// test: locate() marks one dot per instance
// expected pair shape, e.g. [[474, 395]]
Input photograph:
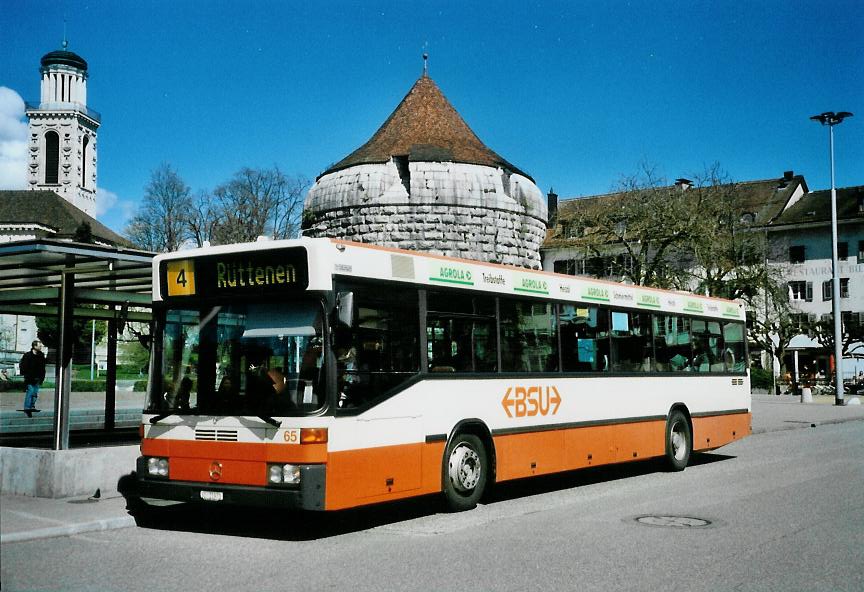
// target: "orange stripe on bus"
[[251, 451], [718, 430], [372, 475], [541, 453]]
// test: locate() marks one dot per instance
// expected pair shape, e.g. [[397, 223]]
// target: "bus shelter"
[[70, 281]]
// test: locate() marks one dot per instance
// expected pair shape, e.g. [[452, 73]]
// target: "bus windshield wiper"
[[267, 419], [162, 416]]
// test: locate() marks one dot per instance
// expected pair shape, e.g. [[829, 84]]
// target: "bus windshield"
[[263, 359]]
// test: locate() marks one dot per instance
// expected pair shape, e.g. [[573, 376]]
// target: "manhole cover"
[[673, 521]]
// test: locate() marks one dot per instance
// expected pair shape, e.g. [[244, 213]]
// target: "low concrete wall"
[[64, 473]]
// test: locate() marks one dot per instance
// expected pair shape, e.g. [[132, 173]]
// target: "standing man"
[[32, 368]]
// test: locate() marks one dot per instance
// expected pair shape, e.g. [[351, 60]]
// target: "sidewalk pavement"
[[27, 518]]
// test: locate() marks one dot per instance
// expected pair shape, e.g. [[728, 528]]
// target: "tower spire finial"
[[425, 64], [65, 42]]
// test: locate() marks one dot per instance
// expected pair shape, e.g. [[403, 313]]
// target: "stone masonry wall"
[[480, 234], [453, 209]]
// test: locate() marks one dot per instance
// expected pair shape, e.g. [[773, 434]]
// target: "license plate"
[[211, 496]]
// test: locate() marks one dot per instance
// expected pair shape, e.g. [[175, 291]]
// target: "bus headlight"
[[157, 467], [284, 474]]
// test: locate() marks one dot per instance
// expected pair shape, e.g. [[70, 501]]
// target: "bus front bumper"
[[309, 495]]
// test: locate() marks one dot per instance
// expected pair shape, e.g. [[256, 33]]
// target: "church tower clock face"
[[63, 132]]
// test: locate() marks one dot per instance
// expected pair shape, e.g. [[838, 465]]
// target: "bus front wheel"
[[465, 469], [679, 441]]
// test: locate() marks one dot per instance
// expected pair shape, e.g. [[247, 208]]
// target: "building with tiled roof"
[[797, 223], [425, 181], [27, 215]]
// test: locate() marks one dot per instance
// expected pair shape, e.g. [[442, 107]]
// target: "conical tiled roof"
[[425, 127]]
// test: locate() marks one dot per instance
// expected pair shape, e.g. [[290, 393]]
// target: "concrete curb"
[[802, 425], [69, 529]]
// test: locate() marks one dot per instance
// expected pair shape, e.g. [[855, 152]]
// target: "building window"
[[842, 250], [566, 266], [852, 321], [828, 291], [861, 204], [799, 321], [52, 158], [796, 254], [85, 143], [801, 291], [860, 251]]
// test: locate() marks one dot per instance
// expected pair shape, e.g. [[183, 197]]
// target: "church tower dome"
[[425, 181], [62, 132]]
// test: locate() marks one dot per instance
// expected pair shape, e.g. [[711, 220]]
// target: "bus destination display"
[[250, 273]]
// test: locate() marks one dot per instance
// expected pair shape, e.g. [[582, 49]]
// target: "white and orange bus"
[[321, 374]]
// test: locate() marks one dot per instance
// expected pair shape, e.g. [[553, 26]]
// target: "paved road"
[[786, 511]]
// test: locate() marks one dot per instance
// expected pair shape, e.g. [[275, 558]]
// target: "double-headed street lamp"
[[831, 119]]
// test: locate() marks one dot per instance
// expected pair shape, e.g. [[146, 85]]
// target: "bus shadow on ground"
[[277, 524], [589, 476]]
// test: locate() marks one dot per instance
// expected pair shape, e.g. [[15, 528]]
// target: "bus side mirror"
[[345, 308]]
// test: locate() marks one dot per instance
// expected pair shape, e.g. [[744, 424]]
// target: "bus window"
[[707, 346], [179, 357], [529, 336], [733, 344], [380, 350], [584, 338], [460, 333], [631, 342], [672, 348]]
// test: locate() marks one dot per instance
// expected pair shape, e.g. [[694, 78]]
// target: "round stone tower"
[[426, 182]]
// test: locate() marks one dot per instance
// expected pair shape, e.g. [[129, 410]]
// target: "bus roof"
[[331, 257]]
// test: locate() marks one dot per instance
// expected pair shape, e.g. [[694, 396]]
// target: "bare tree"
[[644, 226], [161, 224], [202, 218], [772, 321], [728, 253], [258, 202], [851, 334]]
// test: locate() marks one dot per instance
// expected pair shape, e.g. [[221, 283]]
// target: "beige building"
[[797, 224]]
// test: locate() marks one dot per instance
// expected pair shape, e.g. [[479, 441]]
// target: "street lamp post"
[[831, 119]]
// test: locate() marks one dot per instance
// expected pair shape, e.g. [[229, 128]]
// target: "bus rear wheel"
[[679, 441], [465, 469]]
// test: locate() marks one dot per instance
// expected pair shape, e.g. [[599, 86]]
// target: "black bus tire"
[[679, 441], [465, 472]]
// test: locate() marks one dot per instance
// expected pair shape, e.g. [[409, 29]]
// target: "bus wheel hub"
[[464, 468]]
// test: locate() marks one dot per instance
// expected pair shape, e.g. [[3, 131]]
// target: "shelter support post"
[[111, 376], [63, 373]]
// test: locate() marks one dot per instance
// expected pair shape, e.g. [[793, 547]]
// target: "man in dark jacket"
[[32, 368]]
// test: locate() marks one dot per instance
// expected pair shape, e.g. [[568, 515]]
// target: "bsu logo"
[[529, 401]]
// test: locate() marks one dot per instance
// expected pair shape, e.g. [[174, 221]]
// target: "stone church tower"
[[426, 182], [62, 145]]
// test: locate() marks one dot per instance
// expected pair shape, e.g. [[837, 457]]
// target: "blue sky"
[[575, 93]]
